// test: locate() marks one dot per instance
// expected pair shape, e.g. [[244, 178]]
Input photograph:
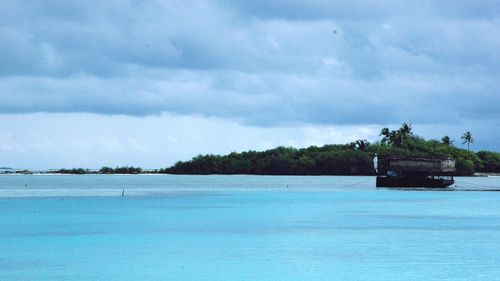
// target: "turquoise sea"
[[66, 227]]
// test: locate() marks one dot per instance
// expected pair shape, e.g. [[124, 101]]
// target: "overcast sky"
[[147, 83]]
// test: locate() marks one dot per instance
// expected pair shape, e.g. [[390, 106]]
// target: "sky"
[[148, 83]]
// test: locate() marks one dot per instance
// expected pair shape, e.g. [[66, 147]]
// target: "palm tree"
[[386, 133], [467, 138], [397, 138], [403, 134], [447, 141], [361, 144], [406, 130]]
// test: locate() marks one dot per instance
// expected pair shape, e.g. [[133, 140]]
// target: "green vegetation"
[[354, 158], [120, 170], [76, 171], [326, 160], [447, 141], [490, 161], [103, 170], [24, 172]]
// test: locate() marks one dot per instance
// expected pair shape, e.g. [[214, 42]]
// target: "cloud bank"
[[56, 140], [258, 63]]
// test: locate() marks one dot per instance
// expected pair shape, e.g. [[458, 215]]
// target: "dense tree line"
[[326, 160], [120, 170], [355, 158], [103, 170], [76, 171], [349, 159], [490, 161]]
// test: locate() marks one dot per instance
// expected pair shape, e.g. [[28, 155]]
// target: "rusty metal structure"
[[397, 171]]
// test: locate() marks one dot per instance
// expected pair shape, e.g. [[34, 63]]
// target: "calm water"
[[245, 228]]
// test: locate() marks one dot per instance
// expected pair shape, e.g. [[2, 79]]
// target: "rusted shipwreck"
[[397, 171]]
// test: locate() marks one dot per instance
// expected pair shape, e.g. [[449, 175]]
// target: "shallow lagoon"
[[244, 228]]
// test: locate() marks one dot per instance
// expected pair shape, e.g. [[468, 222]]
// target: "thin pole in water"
[[123, 192]]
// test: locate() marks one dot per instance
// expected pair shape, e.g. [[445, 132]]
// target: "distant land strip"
[[354, 158]]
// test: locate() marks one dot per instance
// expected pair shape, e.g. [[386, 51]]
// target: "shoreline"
[[481, 174], [477, 174]]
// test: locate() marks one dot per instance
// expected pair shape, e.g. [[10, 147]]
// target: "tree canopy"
[[354, 158]]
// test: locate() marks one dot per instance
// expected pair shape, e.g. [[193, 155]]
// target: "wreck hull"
[[385, 181]]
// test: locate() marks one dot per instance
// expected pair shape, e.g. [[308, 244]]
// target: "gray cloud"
[[265, 63]]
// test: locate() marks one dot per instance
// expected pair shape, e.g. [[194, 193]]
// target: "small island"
[[354, 158]]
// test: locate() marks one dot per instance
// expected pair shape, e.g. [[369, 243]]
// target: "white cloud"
[[277, 65], [50, 140]]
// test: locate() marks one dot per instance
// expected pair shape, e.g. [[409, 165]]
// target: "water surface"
[[244, 228]]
